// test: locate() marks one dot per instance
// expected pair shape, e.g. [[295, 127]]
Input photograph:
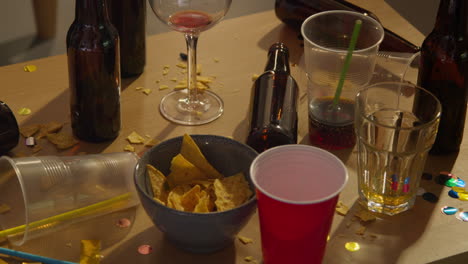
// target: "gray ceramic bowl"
[[197, 232]]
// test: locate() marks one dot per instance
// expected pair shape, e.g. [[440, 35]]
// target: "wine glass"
[[191, 106]]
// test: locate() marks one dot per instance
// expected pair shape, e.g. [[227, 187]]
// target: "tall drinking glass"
[[191, 106]]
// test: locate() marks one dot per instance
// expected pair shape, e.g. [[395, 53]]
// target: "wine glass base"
[[175, 107]]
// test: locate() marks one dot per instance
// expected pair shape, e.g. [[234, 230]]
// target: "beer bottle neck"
[[452, 16], [91, 11], [278, 58]]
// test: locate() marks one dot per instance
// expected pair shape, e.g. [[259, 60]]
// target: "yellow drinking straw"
[[68, 215], [344, 70]]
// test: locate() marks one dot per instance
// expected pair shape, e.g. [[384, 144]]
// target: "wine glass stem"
[[192, 39]]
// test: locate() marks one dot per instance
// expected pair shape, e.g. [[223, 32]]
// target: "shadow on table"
[[164, 252], [24, 48]]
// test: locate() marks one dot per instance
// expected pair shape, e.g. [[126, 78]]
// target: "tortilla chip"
[[135, 138], [174, 199], [183, 172], [62, 140], [205, 203], [158, 181], [190, 199], [29, 131], [231, 192], [90, 252], [193, 154], [49, 128]]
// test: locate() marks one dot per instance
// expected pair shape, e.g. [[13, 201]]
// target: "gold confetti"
[[147, 91], [30, 68], [165, 67], [352, 246], [244, 240], [129, 148], [4, 208], [24, 111]]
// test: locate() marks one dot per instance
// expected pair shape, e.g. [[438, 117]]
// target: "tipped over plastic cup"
[[39, 195]]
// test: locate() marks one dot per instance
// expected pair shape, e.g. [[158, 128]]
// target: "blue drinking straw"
[[344, 70], [24, 255]]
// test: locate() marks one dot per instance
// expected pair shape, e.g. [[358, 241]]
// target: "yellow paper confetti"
[[24, 111], [30, 68], [352, 246]]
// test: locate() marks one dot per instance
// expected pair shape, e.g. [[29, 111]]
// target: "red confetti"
[[145, 249], [124, 222]]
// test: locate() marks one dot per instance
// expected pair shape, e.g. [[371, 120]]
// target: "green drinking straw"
[[69, 215], [344, 70]]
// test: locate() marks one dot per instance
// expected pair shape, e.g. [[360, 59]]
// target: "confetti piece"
[[430, 197], [460, 183], [244, 240], [341, 208], [352, 246], [147, 91], [4, 208], [453, 194], [90, 252], [129, 148], [135, 138], [123, 223], [451, 182], [30, 142], [458, 189], [448, 210], [183, 56], [463, 196], [145, 249], [24, 111], [463, 216], [30, 68], [328, 238], [165, 67]]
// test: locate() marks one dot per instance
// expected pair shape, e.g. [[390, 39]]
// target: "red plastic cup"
[[297, 190]]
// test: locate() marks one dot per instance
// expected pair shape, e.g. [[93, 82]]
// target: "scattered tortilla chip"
[[193, 154], [62, 140], [244, 240], [4, 208], [250, 259], [24, 111], [182, 65], [139, 88], [231, 192], [174, 199], [205, 203], [29, 131], [158, 180], [49, 128], [183, 172], [365, 215], [361, 231], [135, 138], [341, 208], [147, 91], [129, 148], [90, 252], [190, 199], [30, 68], [163, 87], [216, 59]]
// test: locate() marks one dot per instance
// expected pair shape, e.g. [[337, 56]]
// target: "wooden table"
[[421, 235]]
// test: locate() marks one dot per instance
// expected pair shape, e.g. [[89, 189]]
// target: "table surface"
[[420, 235]]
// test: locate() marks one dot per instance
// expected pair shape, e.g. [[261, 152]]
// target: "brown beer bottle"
[[273, 119], [129, 17], [9, 131], [94, 73], [294, 12], [444, 72]]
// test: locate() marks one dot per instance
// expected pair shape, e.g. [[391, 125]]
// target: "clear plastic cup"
[[45, 194]]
